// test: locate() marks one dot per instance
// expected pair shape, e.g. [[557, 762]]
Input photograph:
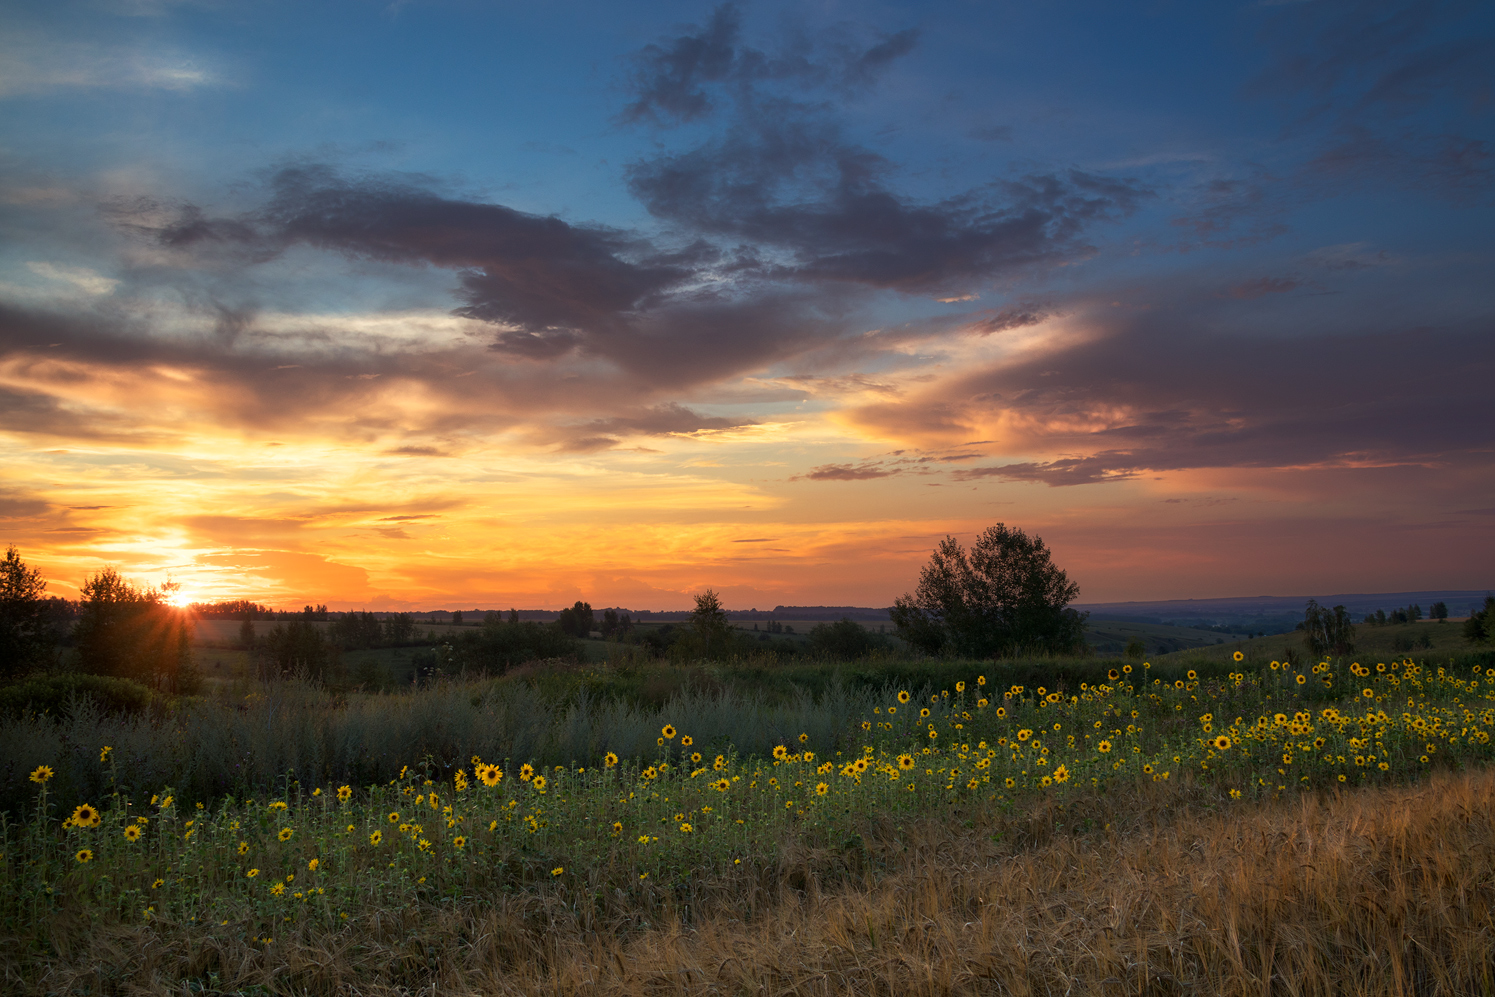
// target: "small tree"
[[1135, 649], [1438, 611], [1327, 631], [1005, 597], [845, 639], [1479, 628], [578, 621]]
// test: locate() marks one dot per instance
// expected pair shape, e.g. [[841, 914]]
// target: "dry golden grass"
[[1377, 891]]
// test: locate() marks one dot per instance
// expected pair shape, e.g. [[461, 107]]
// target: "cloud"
[[1190, 383], [33, 63], [848, 472], [781, 173], [672, 80], [1263, 285]]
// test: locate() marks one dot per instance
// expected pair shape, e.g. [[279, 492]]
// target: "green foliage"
[[297, 647], [59, 693], [499, 645], [577, 621], [1004, 598], [1479, 628], [27, 630], [1327, 632], [844, 640], [132, 633]]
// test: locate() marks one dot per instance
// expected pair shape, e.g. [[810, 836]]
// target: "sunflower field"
[[326, 855]]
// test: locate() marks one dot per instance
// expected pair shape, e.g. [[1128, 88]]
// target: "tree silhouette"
[[1005, 597]]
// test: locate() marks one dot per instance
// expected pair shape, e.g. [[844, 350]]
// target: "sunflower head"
[[86, 815], [41, 773], [132, 833]]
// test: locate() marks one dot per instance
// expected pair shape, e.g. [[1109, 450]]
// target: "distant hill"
[[1272, 613]]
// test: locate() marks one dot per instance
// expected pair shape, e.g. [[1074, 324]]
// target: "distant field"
[[1378, 643]]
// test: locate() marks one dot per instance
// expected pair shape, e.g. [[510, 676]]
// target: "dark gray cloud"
[[674, 81], [1190, 383], [780, 172]]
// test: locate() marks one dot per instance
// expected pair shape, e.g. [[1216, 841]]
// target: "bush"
[[55, 695]]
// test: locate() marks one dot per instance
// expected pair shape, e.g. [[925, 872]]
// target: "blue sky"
[[1204, 287]]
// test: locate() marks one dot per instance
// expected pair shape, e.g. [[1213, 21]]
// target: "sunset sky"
[[481, 303]]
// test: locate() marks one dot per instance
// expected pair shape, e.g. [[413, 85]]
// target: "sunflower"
[[1104, 747], [1193, 675], [285, 834], [41, 773], [243, 848], [491, 775], [1239, 656], [459, 841], [609, 759], [86, 816], [251, 873], [721, 785], [539, 783], [1221, 743], [344, 794], [903, 696], [924, 712], [906, 762], [558, 870], [821, 789], [685, 741], [1011, 782], [526, 771], [780, 752], [617, 828], [1113, 675], [695, 757], [158, 884], [434, 800], [132, 833], [686, 828], [960, 687], [1024, 734], [668, 730]]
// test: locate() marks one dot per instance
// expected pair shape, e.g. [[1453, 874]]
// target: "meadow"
[[945, 827]]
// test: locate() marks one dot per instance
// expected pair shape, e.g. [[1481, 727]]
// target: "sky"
[[454, 303]]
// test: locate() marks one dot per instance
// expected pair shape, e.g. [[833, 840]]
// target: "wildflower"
[[314, 864], [821, 789], [285, 834], [86, 816], [610, 759], [376, 837], [686, 828], [459, 841], [1061, 774], [1024, 734], [526, 771], [558, 870], [685, 741], [41, 774], [158, 884], [243, 848], [539, 783], [251, 873], [668, 730], [1104, 747], [434, 801], [1221, 743], [617, 827], [721, 785], [960, 687], [803, 738], [132, 833], [1239, 656], [344, 794], [1011, 782], [720, 763], [84, 856], [314, 792], [695, 757], [278, 889], [1235, 794], [780, 752], [903, 696], [906, 761], [924, 712], [104, 754]]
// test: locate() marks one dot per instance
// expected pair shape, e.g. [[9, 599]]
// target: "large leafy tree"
[[1004, 597], [27, 632], [133, 633]]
